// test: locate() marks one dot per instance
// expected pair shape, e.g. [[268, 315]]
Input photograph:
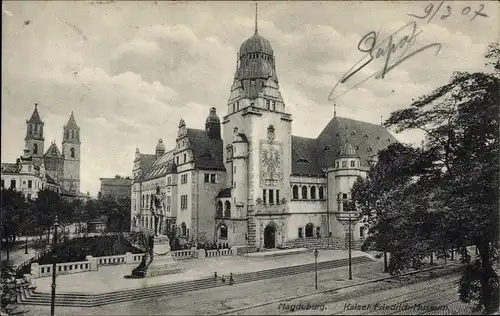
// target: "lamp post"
[[350, 257], [316, 268], [54, 257]]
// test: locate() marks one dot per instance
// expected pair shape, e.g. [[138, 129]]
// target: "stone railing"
[[182, 254], [218, 253]]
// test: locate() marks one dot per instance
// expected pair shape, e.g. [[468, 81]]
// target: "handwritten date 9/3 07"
[[430, 11]]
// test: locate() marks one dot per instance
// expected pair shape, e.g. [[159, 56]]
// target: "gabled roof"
[[71, 122], [53, 151], [35, 117], [146, 162], [161, 166], [10, 168], [207, 152], [305, 157], [368, 139]]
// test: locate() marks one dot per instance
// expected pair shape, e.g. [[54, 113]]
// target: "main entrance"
[[270, 237]]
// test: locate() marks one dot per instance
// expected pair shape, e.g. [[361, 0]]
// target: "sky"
[[131, 70]]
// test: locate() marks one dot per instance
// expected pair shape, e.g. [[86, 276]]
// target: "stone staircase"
[[323, 243], [93, 300]]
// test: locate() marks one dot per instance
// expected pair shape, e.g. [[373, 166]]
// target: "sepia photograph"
[[250, 158]]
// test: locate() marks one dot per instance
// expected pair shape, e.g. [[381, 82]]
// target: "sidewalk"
[[111, 278]]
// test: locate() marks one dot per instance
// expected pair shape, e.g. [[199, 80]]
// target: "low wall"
[[93, 263], [336, 243]]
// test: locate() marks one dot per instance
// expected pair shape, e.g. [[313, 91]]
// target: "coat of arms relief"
[[271, 160]]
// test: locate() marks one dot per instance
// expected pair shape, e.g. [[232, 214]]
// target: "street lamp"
[[316, 268], [54, 257], [350, 257]]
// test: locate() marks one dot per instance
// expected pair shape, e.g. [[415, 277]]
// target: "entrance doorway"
[[270, 237]]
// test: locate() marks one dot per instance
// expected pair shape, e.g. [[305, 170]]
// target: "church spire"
[[256, 25]]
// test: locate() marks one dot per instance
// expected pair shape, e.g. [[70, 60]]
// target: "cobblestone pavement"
[[232, 299]]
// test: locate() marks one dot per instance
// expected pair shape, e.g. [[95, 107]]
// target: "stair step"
[[91, 300]]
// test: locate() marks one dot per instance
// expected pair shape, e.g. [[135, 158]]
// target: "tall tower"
[[71, 154], [257, 118], [34, 139]]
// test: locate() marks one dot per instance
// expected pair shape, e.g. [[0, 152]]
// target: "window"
[[13, 184], [184, 179], [177, 160], [72, 150], [344, 196], [212, 178], [309, 230], [218, 212], [304, 192], [234, 107], [184, 158], [169, 180], [295, 192], [301, 232], [207, 178], [183, 230], [337, 164], [169, 203], [29, 196], [321, 193], [234, 169], [271, 197], [30, 184], [237, 105], [234, 184], [268, 104], [184, 202], [264, 196], [313, 193], [3, 183], [227, 211], [223, 232], [274, 106], [353, 163], [35, 149], [318, 231], [277, 196], [344, 164], [362, 232]]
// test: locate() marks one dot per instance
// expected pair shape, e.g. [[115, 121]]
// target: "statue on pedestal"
[[158, 211]]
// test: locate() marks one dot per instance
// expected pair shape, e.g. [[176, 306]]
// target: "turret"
[[212, 125], [160, 149]]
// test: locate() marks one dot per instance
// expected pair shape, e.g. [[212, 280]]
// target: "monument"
[[158, 260]]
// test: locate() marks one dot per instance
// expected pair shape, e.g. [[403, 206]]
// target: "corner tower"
[[71, 153], [34, 140], [257, 138]]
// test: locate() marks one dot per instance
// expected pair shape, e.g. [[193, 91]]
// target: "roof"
[[207, 152], [161, 166], [146, 162], [366, 138], [53, 151], [224, 193], [51, 180], [115, 181], [305, 156], [35, 117], [10, 168], [256, 44], [71, 122]]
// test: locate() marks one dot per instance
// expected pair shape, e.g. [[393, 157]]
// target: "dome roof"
[[256, 44], [347, 150], [212, 117], [160, 146]]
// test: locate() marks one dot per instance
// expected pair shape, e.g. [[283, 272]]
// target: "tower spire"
[[256, 25]]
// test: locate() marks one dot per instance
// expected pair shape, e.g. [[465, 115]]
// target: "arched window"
[[309, 230], [313, 193], [295, 192], [72, 152], [223, 232], [227, 211], [218, 212], [304, 192], [321, 193], [183, 229], [35, 149]]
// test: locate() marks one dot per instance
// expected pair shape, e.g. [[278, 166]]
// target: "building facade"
[[117, 187], [36, 170], [246, 180]]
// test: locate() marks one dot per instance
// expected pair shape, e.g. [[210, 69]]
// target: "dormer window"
[[369, 149], [365, 136], [302, 160], [377, 138], [352, 133]]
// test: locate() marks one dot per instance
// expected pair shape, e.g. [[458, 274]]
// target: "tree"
[[448, 193], [11, 286], [14, 209]]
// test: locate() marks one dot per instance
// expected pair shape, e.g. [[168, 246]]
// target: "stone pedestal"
[[161, 262]]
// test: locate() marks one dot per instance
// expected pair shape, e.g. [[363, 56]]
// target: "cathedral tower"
[[71, 153], [34, 139]]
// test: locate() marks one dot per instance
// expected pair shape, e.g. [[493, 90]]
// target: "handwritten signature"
[[387, 49]]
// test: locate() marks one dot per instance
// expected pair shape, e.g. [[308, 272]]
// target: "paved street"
[[233, 298]]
